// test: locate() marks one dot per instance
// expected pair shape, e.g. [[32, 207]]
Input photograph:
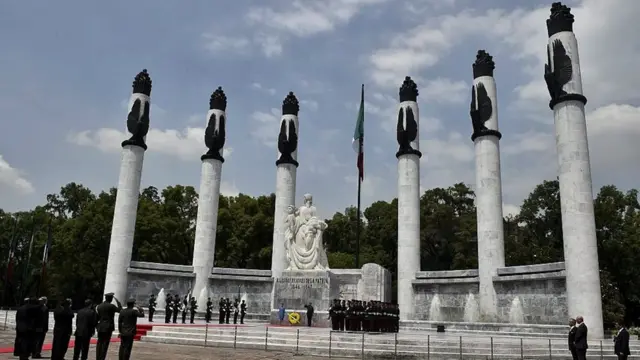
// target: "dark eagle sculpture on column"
[[288, 136], [480, 113], [407, 125], [137, 121], [562, 70], [215, 136]]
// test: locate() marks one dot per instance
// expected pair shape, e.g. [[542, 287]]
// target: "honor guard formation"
[[225, 308], [357, 315], [175, 306]]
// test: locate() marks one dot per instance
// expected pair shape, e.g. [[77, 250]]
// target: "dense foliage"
[[165, 228]]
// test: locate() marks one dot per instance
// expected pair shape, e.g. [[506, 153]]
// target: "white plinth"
[[285, 197], [124, 221], [489, 219], [204, 247], [408, 231]]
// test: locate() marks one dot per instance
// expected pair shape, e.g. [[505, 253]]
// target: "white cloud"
[[260, 87], [443, 90], [186, 144], [510, 210], [221, 45], [311, 105], [14, 179], [265, 127], [229, 189]]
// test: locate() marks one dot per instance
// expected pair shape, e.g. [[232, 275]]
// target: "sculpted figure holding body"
[[303, 238]]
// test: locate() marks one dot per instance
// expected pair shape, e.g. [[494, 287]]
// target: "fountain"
[[516, 313], [434, 310], [243, 297], [161, 300], [471, 312], [203, 298]]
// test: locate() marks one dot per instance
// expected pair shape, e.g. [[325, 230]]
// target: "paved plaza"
[[151, 351]]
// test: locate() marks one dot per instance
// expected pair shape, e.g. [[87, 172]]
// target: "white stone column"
[[486, 140], [286, 170], [126, 206], [408, 196], [204, 246], [574, 172]]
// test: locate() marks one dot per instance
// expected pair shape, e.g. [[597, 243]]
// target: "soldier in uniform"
[[177, 307], [106, 313], [185, 308], [341, 315], [333, 316], [62, 329], [192, 308], [152, 307], [221, 311], [127, 323], [26, 317], [348, 316], [86, 322], [359, 309], [368, 315], [236, 310], [243, 311], [167, 309], [396, 312], [227, 310], [207, 316]]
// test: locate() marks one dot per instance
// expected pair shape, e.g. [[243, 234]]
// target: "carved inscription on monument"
[[303, 283]]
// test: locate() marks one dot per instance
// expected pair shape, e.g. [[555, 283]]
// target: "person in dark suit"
[[227, 310], [42, 327], [220, 311], [572, 338], [127, 323], [310, 310], [62, 328], [27, 317], [167, 309], [621, 343], [106, 314], [24, 325], [581, 338], [176, 308], [86, 323]]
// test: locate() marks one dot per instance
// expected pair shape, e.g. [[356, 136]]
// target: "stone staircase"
[[406, 344]]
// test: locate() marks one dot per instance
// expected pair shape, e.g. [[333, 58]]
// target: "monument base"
[[297, 288]]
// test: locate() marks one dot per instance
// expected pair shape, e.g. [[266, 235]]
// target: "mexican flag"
[[358, 137]]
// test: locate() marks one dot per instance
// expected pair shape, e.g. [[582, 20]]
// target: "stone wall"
[[252, 285], [452, 289], [540, 289], [146, 278]]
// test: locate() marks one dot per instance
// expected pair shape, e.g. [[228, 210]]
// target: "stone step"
[[351, 350]]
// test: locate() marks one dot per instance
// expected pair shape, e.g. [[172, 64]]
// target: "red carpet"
[[47, 347]]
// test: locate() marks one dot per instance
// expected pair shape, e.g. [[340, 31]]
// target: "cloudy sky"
[[67, 66]]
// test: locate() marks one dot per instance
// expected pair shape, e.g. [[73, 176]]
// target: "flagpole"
[[9, 264], [360, 143], [28, 263], [358, 224]]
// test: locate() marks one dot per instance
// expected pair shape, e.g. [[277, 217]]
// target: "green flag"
[[358, 137]]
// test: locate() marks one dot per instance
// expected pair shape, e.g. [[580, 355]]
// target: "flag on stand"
[[358, 137], [12, 251]]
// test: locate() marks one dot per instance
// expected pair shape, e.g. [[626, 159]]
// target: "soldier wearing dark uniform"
[[185, 307], [127, 323], [243, 311], [106, 313], [62, 329], [333, 316], [396, 313], [176, 308], [348, 316], [368, 316], [152, 307], [341, 315], [167, 309], [221, 311], [26, 317], [236, 310], [359, 315], [207, 316], [227, 310], [192, 308], [86, 322]]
